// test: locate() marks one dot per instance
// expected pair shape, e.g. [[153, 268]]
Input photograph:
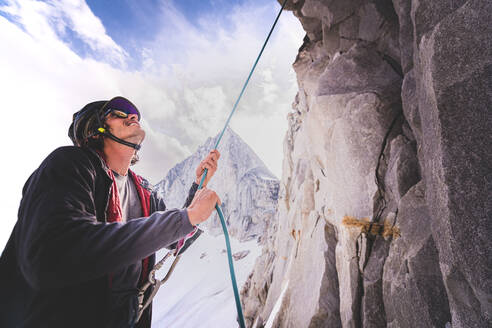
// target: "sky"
[[182, 63]]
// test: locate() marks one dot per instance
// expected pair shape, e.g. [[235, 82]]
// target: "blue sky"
[[133, 24], [182, 63]]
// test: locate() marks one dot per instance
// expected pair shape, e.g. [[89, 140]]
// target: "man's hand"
[[209, 163], [202, 205]]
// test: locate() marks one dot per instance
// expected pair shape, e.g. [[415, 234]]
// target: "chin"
[[136, 137], [140, 136]]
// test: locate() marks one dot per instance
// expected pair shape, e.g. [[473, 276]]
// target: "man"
[[88, 227]]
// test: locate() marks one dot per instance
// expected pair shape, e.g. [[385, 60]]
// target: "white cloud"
[[217, 54], [185, 89], [83, 22], [46, 20]]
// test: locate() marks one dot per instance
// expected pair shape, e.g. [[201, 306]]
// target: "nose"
[[133, 117]]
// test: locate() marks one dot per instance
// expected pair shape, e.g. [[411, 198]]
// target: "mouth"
[[133, 123]]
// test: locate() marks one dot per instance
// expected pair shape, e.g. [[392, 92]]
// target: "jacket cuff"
[[186, 226]]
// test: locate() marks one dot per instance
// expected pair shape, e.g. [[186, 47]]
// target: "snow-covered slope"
[[199, 292]]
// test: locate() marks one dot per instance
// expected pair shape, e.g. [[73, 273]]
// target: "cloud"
[[50, 20], [208, 61], [186, 86]]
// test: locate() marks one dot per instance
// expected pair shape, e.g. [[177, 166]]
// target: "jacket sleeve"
[[191, 194], [59, 241], [157, 202]]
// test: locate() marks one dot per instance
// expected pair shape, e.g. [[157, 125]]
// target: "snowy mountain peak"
[[247, 188], [237, 150]]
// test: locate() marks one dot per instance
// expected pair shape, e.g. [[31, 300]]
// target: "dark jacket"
[[54, 270]]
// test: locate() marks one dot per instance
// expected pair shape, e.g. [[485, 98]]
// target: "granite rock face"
[[391, 126], [247, 189]]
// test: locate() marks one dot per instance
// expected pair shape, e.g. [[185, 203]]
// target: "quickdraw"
[[154, 283]]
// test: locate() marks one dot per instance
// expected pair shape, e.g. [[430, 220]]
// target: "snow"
[[276, 307], [199, 292], [247, 189]]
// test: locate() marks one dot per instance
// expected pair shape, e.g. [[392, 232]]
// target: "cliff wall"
[[384, 211]]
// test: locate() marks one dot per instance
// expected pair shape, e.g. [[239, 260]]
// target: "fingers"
[[207, 194], [210, 165], [214, 197], [202, 205], [214, 155], [211, 196], [210, 162]]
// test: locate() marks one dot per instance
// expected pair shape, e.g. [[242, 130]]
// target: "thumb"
[[217, 199]]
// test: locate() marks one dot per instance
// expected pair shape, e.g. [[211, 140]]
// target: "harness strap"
[[155, 284]]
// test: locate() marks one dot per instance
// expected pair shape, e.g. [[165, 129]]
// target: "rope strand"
[[217, 207]]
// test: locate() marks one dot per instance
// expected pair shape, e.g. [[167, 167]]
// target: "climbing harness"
[[157, 283]]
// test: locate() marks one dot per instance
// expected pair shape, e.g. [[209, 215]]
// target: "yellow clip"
[[102, 130]]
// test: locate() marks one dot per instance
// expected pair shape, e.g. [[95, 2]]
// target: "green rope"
[[217, 207]]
